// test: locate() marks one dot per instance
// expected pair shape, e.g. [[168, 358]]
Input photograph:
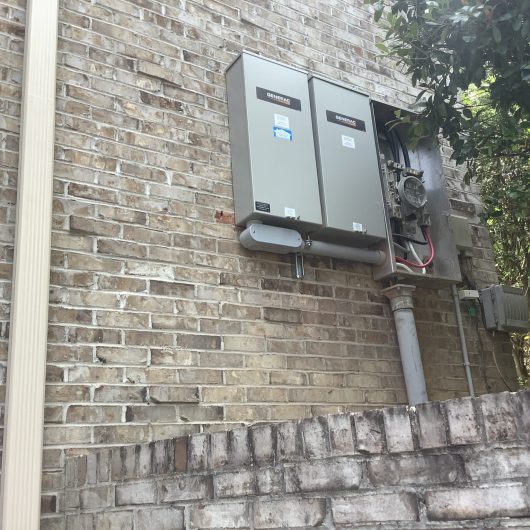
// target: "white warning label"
[[281, 121], [348, 141]]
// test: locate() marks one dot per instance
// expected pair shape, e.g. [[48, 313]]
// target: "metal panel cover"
[[273, 156], [348, 164]]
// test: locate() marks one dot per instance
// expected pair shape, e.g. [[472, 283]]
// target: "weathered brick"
[[172, 394], [421, 469], [463, 425], [114, 520], [290, 513], [288, 442], [53, 523], [315, 437], [136, 493], [323, 476], [524, 419], [198, 452], [235, 484], [239, 447], [171, 518], [181, 454], [397, 430], [500, 416], [431, 425], [369, 431], [498, 464], [80, 522], [262, 443], [233, 515], [376, 508], [218, 449], [269, 481], [163, 455], [340, 434], [186, 488], [477, 503]]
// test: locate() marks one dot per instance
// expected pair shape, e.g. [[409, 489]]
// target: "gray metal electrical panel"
[[271, 140], [504, 308], [348, 166]]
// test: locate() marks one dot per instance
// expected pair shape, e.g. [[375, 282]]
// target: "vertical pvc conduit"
[[462, 337], [400, 297]]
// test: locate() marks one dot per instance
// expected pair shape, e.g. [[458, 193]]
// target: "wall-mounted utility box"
[[461, 228], [271, 141], [348, 166], [445, 269], [504, 308]]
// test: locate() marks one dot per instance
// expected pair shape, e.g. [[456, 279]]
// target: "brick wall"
[[12, 31], [160, 323], [463, 462]]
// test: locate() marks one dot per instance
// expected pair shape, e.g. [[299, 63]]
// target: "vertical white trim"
[[26, 370]]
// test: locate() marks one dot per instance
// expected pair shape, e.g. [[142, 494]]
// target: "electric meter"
[[412, 191]]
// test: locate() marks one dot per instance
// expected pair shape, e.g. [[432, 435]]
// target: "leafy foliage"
[[471, 60], [447, 46]]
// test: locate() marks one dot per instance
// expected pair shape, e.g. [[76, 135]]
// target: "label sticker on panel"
[[283, 133], [348, 141], [357, 227], [290, 212], [278, 99], [347, 121], [281, 121], [262, 206]]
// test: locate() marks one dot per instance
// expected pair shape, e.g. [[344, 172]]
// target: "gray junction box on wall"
[[348, 165], [271, 140]]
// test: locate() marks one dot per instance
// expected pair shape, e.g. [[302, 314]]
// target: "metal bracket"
[[297, 265]]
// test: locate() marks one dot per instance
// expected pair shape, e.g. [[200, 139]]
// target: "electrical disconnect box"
[[271, 139], [348, 170], [504, 308]]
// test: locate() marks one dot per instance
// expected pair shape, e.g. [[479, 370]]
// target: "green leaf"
[[497, 37], [517, 23]]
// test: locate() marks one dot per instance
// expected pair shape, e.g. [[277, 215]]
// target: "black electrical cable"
[[411, 239], [404, 150], [390, 140], [404, 249], [394, 136]]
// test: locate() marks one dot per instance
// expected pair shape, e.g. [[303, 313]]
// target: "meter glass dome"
[[412, 191]]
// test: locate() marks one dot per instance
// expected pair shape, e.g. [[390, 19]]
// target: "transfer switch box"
[[348, 165], [271, 141]]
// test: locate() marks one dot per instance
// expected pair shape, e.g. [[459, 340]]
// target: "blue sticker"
[[283, 133]]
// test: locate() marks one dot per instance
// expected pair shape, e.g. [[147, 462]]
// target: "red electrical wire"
[[427, 234]]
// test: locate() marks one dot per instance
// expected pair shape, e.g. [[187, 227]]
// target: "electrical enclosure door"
[[271, 140], [348, 166]]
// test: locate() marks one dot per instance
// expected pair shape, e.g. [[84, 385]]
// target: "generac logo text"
[[280, 99], [346, 120]]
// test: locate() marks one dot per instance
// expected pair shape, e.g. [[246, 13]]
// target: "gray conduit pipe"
[[266, 238], [400, 297], [462, 338], [331, 250]]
